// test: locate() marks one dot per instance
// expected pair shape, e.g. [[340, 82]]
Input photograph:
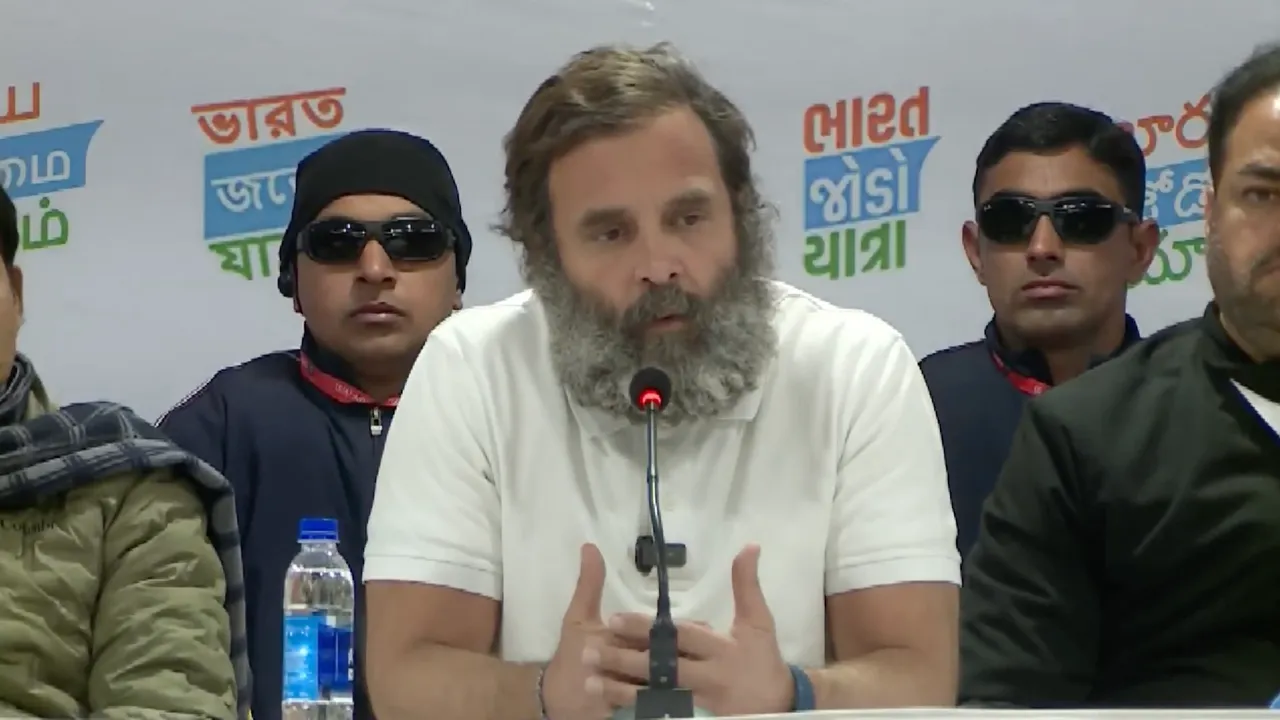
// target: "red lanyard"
[[338, 390], [1023, 384]]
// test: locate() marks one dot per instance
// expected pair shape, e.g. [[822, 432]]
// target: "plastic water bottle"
[[319, 608]]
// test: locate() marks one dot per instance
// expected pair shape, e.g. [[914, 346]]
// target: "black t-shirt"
[[1130, 552]]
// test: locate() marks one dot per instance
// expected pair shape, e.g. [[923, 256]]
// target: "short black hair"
[[1257, 75], [1056, 126], [8, 229]]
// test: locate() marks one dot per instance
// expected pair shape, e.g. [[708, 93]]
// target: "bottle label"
[[301, 658], [336, 668], [318, 658]]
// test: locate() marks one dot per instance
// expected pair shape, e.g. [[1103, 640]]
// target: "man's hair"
[[8, 229], [1051, 127], [1257, 75], [610, 90]]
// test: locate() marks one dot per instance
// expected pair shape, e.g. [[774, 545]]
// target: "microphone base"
[[659, 704]]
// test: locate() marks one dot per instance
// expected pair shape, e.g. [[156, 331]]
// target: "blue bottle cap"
[[318, 530]]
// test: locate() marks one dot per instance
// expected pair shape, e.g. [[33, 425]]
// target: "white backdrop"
[[134, 294]]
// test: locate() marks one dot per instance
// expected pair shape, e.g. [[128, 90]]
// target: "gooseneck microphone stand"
[[663, 698]]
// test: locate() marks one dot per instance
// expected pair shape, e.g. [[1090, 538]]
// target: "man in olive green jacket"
[[121, 589]]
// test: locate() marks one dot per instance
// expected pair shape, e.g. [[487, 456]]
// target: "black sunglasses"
[[335, 241], [1082, 219]]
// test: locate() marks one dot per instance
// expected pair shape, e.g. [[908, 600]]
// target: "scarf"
[[53, 453]]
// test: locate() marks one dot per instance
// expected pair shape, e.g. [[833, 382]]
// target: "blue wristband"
[[802, 692]]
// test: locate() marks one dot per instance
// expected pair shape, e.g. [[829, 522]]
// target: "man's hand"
[[739, 674], [572, 689]]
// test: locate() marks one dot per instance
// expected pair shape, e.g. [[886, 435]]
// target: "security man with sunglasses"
[[1130, 551], [1057, 241], [374, 258]]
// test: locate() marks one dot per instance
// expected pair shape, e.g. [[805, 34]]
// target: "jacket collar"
[[326, 360], [332, 377], [1031, 363], [1221, 353]]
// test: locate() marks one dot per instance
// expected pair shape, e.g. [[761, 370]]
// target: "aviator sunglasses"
[[1081, 219], [341, 240]]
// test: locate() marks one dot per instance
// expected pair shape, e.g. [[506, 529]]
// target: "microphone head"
[[650, 387]]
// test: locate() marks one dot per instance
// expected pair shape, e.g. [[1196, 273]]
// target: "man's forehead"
[[371, 207], [1066, 172], [1253, 145], [691, 195]]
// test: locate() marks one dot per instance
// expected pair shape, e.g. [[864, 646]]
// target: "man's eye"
[[610, 235]]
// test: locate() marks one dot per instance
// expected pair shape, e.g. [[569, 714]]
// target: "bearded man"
[[802, 465]]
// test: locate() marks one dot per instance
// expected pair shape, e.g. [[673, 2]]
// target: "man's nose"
[[374, 264], [659, 258], [1044, 246]]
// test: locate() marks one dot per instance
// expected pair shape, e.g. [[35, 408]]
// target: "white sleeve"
[[892, 520], [436, 515]]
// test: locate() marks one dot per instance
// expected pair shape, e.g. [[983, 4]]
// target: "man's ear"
[[457, 300], [1144, 240], [15, 286], [970, 241]]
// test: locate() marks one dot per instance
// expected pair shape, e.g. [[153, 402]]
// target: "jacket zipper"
[[375, 422]]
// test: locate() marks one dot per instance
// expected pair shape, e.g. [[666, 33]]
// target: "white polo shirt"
[[1268, 410], [492, 479]]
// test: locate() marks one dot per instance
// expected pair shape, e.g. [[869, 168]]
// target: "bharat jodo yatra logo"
[[1175, 194], [249, 180], [863, 160], [39, 164]]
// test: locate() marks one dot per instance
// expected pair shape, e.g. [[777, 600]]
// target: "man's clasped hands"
[[600, 662]]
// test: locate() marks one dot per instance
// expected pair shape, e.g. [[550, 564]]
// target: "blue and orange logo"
[[1176, 189], [38, 164], [248, 190], [862, 170]]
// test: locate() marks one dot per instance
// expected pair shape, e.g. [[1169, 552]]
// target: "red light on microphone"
[[650, 399], [650, 389]]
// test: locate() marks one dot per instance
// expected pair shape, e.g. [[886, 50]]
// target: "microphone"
[[650, 392]]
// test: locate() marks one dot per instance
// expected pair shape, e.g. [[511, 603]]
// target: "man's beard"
[[718, 356], [1253, 312]]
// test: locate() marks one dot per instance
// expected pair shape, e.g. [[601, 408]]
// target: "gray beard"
[[716, 359]]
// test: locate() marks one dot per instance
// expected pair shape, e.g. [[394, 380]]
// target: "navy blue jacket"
[[290, 452], [978, 410]]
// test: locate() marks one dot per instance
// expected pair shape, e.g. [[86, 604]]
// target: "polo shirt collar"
[[1221, 353], [1031, 363], [598, 423]]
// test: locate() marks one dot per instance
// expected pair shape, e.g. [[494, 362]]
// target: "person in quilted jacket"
[[120, 580]]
